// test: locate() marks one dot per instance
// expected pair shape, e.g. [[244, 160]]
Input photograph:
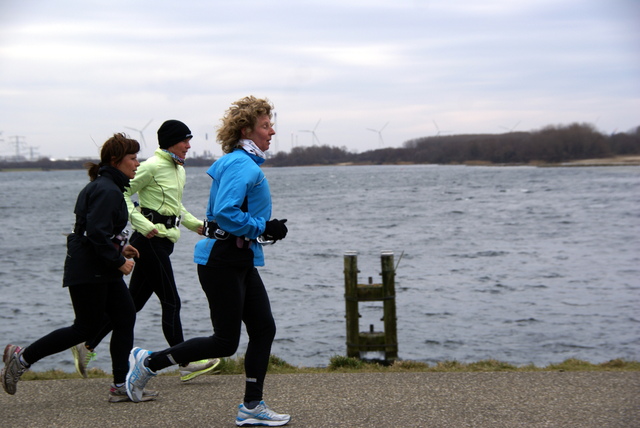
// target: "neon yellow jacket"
[[159, 183]]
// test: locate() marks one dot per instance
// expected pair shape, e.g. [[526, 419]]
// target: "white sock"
[[23, 362]]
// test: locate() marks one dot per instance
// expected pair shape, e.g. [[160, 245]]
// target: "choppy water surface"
[[524, 265]]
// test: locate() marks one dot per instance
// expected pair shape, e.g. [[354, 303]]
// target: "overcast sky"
[[74, 72]]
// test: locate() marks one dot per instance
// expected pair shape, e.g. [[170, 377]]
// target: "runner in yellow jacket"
[[160, 189], [156, 217]]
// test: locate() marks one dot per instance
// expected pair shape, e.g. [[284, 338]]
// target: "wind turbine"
[[141, 131], [314, 138], [438, 129], [512, 128], [379, 132]]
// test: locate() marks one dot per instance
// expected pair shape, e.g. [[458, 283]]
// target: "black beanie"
[[172, 132]]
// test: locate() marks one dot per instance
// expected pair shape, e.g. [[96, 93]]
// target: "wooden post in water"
[[370, 341], [389, 305], [351, 302]]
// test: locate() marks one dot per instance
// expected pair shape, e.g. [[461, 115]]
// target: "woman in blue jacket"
[[238, 213], [97, 258]]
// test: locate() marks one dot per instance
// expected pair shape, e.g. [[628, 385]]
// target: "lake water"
[[520, 264]]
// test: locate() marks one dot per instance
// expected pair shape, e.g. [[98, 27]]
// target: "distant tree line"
[[48, 164], [552, 144]]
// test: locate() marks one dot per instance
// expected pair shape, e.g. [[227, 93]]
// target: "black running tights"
[[153, 274], [235, 295], [92, 303]]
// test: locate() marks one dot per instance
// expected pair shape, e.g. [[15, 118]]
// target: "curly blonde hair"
[[242, 114]]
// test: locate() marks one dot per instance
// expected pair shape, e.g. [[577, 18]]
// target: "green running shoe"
[[81, 358], [197, 368]]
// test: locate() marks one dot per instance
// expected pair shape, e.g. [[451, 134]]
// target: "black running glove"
[[275, 229]]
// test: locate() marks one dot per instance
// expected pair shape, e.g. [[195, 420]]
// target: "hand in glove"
[[275, 230]]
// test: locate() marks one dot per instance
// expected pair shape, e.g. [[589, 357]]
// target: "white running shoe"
[[13, 368], [261, 415], [197, 368], [138, 374], [118, 394]]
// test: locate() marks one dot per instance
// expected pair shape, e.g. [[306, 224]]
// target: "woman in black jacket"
[[97, 258]]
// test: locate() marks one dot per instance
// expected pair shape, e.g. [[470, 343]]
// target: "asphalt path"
[[496, 399]]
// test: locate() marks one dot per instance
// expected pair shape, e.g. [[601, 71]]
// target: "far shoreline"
[[631, 160]]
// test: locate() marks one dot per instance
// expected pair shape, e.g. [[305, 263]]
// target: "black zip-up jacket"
[[101, 214]]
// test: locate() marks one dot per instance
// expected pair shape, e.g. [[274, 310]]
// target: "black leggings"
[[153, 274], [235, 295], [92, 303]]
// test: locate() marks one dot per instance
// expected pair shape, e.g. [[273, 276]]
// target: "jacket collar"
[[115, 175], [163, 154], [257, 159]]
